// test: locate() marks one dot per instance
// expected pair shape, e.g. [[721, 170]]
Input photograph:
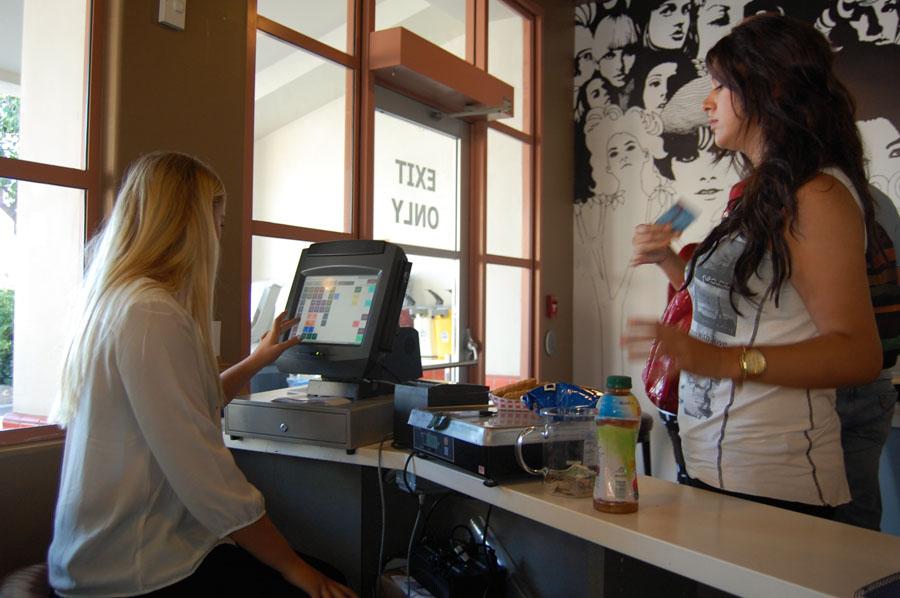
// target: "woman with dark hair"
[[781, 309]]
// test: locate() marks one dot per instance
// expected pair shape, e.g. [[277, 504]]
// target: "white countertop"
[[738, 546]]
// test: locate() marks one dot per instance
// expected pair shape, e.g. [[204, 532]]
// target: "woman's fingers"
[[651, 243], [281, 322], [294, 340], [638, 337]]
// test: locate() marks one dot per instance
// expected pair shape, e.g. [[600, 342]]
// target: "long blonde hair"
[[161, 235]]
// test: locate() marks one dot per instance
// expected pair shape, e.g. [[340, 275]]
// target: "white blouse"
[[755, 438], [148, 487]]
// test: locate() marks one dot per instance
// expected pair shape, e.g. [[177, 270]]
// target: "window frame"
[[359, 161], [87, 179], [530, 137]]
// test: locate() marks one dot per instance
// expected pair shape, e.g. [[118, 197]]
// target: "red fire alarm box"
[[552, 306]]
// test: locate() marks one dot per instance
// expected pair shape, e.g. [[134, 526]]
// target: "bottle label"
[[623, 406], [617, 477]]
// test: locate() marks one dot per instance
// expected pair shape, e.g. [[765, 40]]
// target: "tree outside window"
[[9, 148], [9, 145]]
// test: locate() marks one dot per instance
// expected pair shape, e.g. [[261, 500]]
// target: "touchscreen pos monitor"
[[348, 296]]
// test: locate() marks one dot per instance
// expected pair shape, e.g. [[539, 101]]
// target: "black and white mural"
[[642, 141]]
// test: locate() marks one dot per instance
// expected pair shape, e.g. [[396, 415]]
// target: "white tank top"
[[758, 439]]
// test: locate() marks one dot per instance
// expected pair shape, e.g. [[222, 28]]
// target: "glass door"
[[420, 182]]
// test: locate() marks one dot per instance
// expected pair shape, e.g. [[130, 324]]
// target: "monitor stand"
[[361, 389]]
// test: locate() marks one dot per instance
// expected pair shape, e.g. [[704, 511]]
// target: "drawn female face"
[[615, 65], [668, 25], [715, 18], [596, 94], [887, 18], [585, 62], [656, 87], [876, 23], [700, 181], [623, 152], [882, 146], [585, 66], [614, 58]]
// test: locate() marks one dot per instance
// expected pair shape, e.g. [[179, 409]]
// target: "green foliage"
[[9, 148], [7, 306], [9, 126]]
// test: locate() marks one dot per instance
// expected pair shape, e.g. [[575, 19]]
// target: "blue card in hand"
[[679, 216]]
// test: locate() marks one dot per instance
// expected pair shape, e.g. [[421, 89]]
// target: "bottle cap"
[[618, 382]]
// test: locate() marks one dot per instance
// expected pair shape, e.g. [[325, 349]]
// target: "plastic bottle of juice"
[[618, 421]]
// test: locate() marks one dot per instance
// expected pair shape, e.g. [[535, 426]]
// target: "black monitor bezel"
[[342, 361]]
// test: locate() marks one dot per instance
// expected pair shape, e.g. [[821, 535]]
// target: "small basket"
[[504, 404]]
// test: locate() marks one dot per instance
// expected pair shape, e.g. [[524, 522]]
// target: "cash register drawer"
[[284, 423], [337, 423]]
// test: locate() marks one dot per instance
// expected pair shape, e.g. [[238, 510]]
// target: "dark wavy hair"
[[780, 71]]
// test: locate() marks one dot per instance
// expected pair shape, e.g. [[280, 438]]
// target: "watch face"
[[755, 362]]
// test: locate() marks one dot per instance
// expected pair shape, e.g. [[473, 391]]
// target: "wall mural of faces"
[[642, 138], [655, 92], [667, 27]]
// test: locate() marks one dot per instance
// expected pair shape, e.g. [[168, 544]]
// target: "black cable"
[[412, 536], [383, 521], [487, 524], [488, 561], [406, 473], [434, 506]]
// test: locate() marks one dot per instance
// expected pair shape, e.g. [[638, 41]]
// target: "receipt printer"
[[427, 394]]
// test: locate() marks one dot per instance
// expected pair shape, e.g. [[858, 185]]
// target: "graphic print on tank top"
[[713, 318]]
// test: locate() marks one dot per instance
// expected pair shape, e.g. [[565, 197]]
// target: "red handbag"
[[660, 375]]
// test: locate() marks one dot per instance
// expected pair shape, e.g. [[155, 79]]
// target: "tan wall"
[[183, 90], [557, 182]]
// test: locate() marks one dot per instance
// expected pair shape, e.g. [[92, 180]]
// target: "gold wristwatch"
[[753, 363]]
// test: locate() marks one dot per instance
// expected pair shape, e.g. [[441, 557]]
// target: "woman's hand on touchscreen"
[[270, 347]]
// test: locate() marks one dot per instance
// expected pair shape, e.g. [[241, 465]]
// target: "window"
[[333, 160], [300, 133], [325, 22], [512, 159], [48, 191], [509, 57], [303, 142], [440, 22], [419, 196]]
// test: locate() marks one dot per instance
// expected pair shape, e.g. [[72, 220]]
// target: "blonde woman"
[[150, 498]]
